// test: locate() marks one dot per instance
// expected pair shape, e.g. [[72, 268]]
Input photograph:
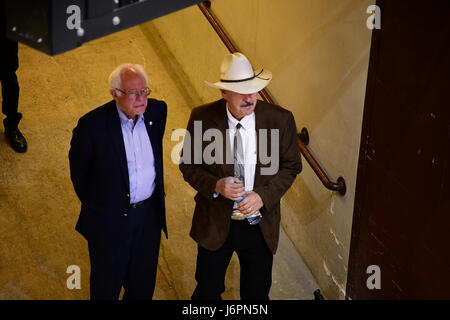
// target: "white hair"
[[115, 79]]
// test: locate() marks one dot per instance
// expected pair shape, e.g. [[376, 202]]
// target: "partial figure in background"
[[10, 87]]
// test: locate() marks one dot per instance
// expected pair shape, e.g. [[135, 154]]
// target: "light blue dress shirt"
[[140, 158]]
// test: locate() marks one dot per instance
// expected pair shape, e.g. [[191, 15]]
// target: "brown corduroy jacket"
[[212, 216]]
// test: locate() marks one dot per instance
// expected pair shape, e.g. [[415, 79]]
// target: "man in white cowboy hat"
[[238, 202]]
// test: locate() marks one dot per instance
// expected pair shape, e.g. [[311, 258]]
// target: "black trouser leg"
[[10, 87], [210, 272], [10, 97], [140, 279], [108, 269], [255, 260]]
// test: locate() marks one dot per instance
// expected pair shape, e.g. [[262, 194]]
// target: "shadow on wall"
[[173, 67]]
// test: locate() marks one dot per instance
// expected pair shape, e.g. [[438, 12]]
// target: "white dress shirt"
[[248, 134]]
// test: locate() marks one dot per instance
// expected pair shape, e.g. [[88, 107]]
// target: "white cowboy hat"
[[236, 74]]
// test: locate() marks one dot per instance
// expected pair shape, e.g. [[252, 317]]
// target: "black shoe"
[[16, 140]]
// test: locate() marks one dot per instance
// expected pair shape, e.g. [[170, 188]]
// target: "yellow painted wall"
[[318, 52]]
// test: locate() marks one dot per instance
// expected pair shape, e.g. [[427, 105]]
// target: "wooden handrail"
[[303, 141], [303, 137]]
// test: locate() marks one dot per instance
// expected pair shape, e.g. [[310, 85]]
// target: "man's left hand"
[[251, 203]]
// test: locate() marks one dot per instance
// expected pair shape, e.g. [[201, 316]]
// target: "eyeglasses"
[[136, 93]]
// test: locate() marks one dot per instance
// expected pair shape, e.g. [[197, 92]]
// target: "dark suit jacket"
[[212, 216], [99, 171]]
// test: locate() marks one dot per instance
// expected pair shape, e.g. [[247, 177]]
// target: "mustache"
[[247, 104]]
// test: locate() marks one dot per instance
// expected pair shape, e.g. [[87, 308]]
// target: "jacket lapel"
[[115, 131], [152, 126], [260, 123], [220, 118]]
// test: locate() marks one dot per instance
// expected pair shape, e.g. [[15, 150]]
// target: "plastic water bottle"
[[254, 218]]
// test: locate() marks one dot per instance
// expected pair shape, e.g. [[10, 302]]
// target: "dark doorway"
[[401, 218]]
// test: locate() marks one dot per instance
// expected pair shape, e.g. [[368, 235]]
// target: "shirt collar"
[[247, 122], [124, 119]]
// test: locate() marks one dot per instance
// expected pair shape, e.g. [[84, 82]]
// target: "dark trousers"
[[255, 261], [10, 86], [133, 262]]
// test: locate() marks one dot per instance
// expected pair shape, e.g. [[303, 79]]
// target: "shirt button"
[[128, 195], [125, 215]]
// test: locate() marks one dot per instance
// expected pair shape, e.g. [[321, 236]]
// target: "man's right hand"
[[230, 190]]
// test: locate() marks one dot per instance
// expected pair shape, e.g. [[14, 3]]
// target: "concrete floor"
[[38, 207]]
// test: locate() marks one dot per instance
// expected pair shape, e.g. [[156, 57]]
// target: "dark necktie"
[[239, 171]]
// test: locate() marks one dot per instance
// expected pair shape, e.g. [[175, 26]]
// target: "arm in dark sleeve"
[[80, 154]]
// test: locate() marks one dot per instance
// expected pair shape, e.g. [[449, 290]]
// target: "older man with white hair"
[[116, 167]]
